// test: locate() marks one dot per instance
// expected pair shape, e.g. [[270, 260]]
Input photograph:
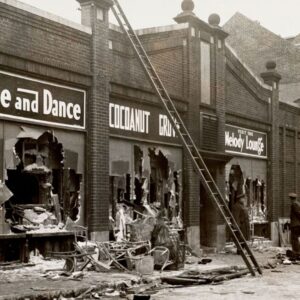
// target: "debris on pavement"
[[209, 277]]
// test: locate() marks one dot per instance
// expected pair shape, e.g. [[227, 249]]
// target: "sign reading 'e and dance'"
[[245, 141], [43, 102]]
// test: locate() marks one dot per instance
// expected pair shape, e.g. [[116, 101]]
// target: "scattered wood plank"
[[5, 263], [16, 266], [85, 293], [220, 270], [230, 276], [184, 281]]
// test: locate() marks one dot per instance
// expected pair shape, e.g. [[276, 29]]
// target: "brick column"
[[219, 90], [272, 78], [191, 184], [192, 121], [95, 15]]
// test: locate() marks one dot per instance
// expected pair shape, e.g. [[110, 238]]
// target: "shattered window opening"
[[153, 186], [45, 194]]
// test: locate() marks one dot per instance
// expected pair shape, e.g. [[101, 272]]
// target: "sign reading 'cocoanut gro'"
[[245, 141], [43, 102]]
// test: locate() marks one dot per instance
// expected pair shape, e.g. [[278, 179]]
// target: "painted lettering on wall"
[[29, 101], [129, 119], [166, 127], [59, 108], [245, 141], [139, 120], [40, 101]]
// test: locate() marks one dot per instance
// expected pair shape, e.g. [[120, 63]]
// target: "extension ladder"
[[188, 143]]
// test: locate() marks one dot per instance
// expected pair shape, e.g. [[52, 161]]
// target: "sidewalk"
[[31, 283]]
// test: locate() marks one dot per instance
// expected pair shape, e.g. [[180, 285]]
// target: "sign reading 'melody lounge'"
[[245, 141], [40, 101]]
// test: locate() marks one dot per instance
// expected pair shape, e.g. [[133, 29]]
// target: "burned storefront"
[[246, 173], [42, 169], [40, 183], [145, 164]]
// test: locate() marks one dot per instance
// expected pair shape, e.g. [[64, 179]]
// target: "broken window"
[[254, 188], [46, 193], [150, 183]]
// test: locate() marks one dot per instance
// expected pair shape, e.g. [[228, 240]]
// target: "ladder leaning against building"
[[188, 143]]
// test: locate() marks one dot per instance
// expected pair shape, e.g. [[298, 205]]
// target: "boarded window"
[[209, 132], [205, 72]]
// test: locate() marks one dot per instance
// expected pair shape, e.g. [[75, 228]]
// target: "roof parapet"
[[46, 15], [258, 79], [152, 30]]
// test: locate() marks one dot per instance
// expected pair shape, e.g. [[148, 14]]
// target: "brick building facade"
[[125, 141]]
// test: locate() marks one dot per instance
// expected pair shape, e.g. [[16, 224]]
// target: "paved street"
[[281, 282]]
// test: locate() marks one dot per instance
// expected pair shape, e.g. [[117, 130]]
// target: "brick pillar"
[[95, 15], [192, 121], [218, 227], [272, 78], [191, 184]]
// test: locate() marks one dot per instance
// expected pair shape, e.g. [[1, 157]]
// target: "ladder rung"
[[154, 78]]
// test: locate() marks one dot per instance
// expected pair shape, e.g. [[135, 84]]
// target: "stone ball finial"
[[271, 65], [214, 20], [187, 5]]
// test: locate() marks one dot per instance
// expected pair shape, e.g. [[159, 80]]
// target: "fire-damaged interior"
[[144, 184], [254, 188], [45, 193]]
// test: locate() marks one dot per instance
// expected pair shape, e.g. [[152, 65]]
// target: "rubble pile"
[[35, 219]]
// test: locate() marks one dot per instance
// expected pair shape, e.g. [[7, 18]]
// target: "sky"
[[281, 17]]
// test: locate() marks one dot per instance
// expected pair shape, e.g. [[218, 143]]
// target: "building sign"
[[165, 126], [245, 141], [140, 121], [128, 118], [25, 98]]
